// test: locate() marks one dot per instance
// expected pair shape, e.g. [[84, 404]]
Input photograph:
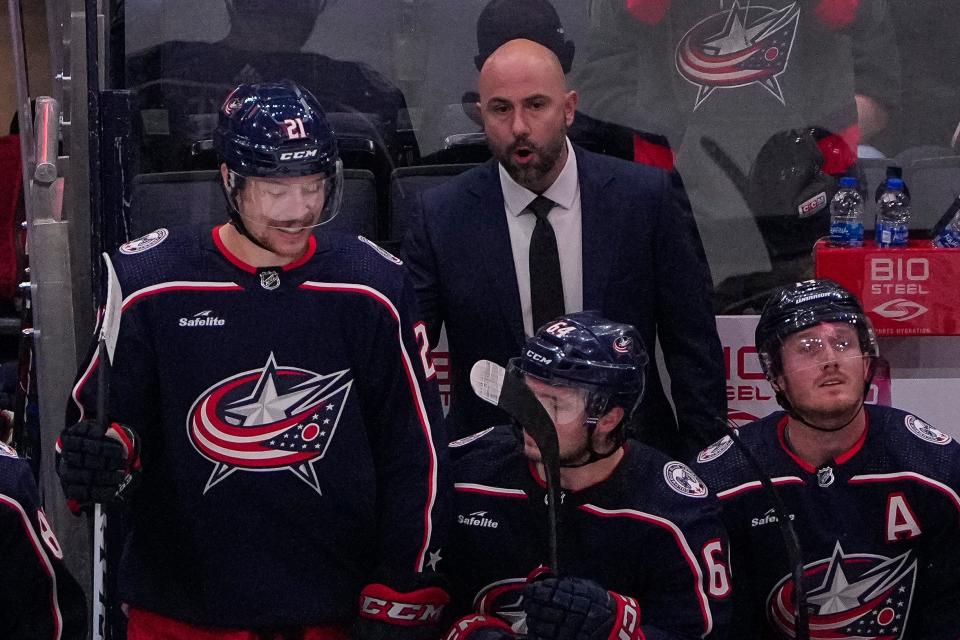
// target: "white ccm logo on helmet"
[[298, 155]]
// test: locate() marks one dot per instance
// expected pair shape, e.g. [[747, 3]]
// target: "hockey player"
[[39, 599], [269, 384], [872, 491], [642, 552]]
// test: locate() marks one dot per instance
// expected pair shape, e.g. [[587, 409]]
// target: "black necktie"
[[546, 283]]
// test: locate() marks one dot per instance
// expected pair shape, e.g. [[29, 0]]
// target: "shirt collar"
[[563, 191]]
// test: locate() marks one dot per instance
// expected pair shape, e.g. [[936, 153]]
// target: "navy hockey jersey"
[[650, 531], [290, 423], [879, 530], [39, 599]]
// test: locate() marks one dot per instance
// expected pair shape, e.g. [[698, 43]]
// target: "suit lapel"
[[491, 239], [598, 229]]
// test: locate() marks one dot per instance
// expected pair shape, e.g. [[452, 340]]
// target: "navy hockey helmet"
[[277, 130], [803, 305], [585, 350]]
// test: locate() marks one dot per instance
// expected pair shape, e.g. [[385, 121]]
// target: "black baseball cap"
[[536, 20]]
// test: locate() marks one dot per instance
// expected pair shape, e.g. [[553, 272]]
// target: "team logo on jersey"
[[268, 419], [383, 252], [924, 431], [504, 599], [715, 450], [738, 47], [143, 243], [858, 595], [683, 480], [269, 280], [7, 451]]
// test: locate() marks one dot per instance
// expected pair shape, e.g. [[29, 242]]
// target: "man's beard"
[[531, 175]]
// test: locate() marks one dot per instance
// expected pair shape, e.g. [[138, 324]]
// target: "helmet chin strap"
[[793, 413], [592, 455], [241, 228]]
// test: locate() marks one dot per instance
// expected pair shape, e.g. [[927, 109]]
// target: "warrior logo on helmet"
[[268, 419], [856, 595]]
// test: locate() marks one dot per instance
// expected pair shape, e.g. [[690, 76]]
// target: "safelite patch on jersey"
[[715, 450], [467, 440], [383, 252], [144, 243], [683, 480], [925, 432]]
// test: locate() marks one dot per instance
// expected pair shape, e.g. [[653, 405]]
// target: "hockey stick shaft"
[[492, 383]]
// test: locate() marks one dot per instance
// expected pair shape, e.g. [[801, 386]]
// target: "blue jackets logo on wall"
[[269, 419], [738, 47]]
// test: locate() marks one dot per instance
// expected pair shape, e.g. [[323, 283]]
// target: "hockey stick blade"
[[492, 384]]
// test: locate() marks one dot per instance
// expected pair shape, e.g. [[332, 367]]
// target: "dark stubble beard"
[[531, 175]]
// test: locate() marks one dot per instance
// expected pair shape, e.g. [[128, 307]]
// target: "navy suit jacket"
[[643, 264]]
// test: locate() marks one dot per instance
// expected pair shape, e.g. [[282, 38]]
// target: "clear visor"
[[289, 204], [564, 404], [822, 344]]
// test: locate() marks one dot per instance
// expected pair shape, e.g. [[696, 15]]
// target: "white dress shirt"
[[566, 222]]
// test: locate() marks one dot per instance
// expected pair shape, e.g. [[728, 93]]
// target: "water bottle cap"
[[894, 172], [894, 183], [848, 182]]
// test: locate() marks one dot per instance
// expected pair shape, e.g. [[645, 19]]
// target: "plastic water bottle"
[[893, 215], [846, 215], [947, 232]]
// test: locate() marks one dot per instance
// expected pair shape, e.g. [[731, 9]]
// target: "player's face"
[[281, 212], [566, 407], [824, 371], [526, 111]]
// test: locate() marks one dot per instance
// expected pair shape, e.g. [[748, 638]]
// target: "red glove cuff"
[[467, 625], [415, 608], [626, 624]]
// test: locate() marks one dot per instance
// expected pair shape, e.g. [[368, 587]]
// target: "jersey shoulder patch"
[[924, 431], [715, 450], [383, 252], [145, 242], [683, 480]]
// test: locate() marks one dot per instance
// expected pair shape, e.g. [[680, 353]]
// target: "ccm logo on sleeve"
[[424, 606]]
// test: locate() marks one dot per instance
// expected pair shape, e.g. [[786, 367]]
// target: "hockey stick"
[[106, 347], [490, 383], [787, 531]]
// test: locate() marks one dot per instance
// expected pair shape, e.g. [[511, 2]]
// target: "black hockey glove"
[[95, 466], [578, 609], [387, 614], [478, 626]]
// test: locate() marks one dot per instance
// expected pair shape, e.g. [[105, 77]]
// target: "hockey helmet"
[[584, 350], [277, 130], [789, 192], [803, 305]]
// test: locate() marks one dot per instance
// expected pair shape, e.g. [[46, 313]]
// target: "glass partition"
[[759, 105]]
